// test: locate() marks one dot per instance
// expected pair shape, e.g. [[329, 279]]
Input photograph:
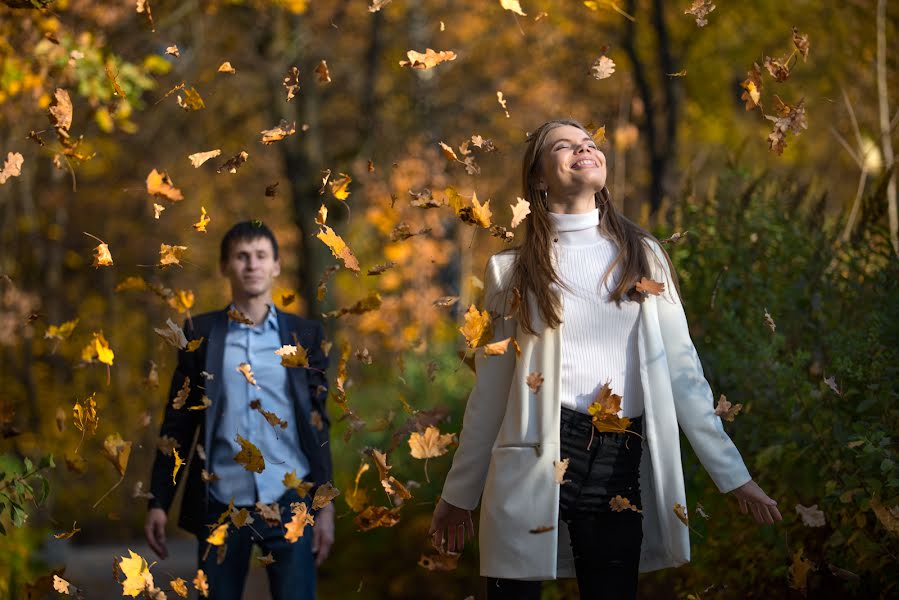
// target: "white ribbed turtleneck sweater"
[[599, 339]]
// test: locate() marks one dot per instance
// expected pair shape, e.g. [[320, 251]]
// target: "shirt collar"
[[271, 319]]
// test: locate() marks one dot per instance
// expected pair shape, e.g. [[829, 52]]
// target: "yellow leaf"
[[430, 444], [170, 255], [338, 247], [205, 403], [293, 356], [249, 456], [117, 451], [203, 222], [201, 584], [194, 344], [477, 213], [61, 331], [292, 481], [497, 348], [605, 408], [137, 574], [218, 535], [85, 415], [321, 216], [159, 184], [298, 522], [179, 586], [181, 300], [192, 100], [478, 327], [226, 67], [449, 152], [513, 6], [98, 349], [102, 256], [278, 133], [178, 463], [428, 60], [520, 210], [340, 187]]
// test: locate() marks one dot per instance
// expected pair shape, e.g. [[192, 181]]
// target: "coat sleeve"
[[693, 399], [486, 405]]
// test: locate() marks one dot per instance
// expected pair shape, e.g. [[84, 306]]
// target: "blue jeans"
[[290, 577]]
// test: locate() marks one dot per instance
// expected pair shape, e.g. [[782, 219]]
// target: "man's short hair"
[[246, 231]]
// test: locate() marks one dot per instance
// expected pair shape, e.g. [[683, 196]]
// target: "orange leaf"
[[338, 247], [298, 522], [428, 60], [159, 184], [431, 444], [249, 456]]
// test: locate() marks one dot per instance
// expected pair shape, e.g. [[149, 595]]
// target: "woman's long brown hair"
[[533, 272]]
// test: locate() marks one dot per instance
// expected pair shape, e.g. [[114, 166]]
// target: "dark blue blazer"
[[308, 389]]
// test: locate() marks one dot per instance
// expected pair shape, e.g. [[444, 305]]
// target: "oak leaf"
[[201, 584], [300, 518], [520, 210], [428, 60], [12, 166]]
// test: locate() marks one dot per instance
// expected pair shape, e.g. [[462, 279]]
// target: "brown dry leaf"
[[369, 303], [788, 119], [649, 286], [208, 477], [270, 513], [478, 327], [179, 586], [321, 72], [446, 300], [338, 247], [322, 215], [534, 381], [173, 51], [61, 112], [513, 6], [159, 184], [67, 534], [811, 515], [226, 67], [798, 572], [293, 356], [173, 334], [752, 88], [778, 68], [801, 43], [273, 419], [292, 481], [497, 348], [681, 512], [249, 456], [199, 158], [239, 317], [167, 445], [428, 60], [205, 402], [520, 210], [431, 444], [85, 415], [117, 451], [377, 516], [725, 410], [831, 382], [192, 100], [170, 255], [340, 186], [315, 419], [102, 256], [232, 164], [323, 495], [602, 67], [448, 152], [292, 82], [620, 503], [181, 397], [560, 467], [700, 10], [298, 522], [477, 213], [379, 269], [201, 584], [279, 132], [770, 321], [241, 517], [247, 371], [605, 409], [542, 529], [12, 167], [266, 560], [447, 561]]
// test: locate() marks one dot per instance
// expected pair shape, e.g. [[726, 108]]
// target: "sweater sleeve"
[[693, 398], [486, 405]]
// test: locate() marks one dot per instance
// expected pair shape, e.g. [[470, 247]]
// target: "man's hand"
[[323, 534], [751, 497], [154, 529]]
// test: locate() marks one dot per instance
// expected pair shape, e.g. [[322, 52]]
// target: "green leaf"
[[886, 465], [28, 465], [47, 462]]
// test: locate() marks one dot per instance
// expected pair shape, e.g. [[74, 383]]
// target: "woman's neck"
[[577, 229]]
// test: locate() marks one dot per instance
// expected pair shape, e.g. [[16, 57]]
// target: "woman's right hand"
[[450, 523]]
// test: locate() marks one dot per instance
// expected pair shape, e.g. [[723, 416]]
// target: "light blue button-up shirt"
[[280, 448]]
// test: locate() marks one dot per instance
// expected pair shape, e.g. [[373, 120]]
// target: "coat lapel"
[[296, 378], [215, 355]]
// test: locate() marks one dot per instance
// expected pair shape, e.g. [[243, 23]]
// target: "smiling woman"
[[570, 470]]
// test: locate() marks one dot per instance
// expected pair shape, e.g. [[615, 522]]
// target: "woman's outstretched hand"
[[751, 497], [452, 524]]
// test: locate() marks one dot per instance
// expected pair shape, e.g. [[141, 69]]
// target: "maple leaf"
[[477, 213], [534, 381], [323, 495], [478, 327], [203, 222], [300, 518], [232, 164], [85, 415], [247, 371], [725, 410], [249, 456], [174, 335], [559, 472], [170, 255], [241, 517], [159, 184], [377, 516], [340, 186], [431, 444], [279, 132], [428, 60], [520, 210], [293, 356], [137, 574], [178, 463], [12, 166], [338, 247], [292, 481], [179, 586], [201, 584], [322, 75], [811, 515], [199, 158], [602, 67], [98, 349], [512, 5], [604, 410], [102, 256]]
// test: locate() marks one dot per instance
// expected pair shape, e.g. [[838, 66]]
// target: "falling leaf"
[[620, 503], [377, 5], [173, 50], [831, 382], [338, 247], [138, 491], [279, 132], [801, 43], [542, 529], [292, 356], [448, 152], [605, 408], [322, 215], [85, 415], [379, 269], [340, 186], [811, 515], [520, 210], [170, 255], [752, 88], [497, 348], [788, 119], [137, 574], [512, 5], [323, 496], [249, 456], [478, 327], [300, 518], [226, 67], [193, 345], [292, 481], [292, 82], [159, 184], [321, 72], [602, 68], [167, 444], [447, 561], [273, 419], [179, 586], [247, 371], [174, 335], [428, 60], [502, 102], [62, 586], [559, 472], [266, 560], [377, 516], [724, 409], [60, 332], [431, 444], [199, 158], [239, 317], [61, 112], [182, 394], [218, 535], [649, 286], [241, 517], [769, 321], [477, 213], [12, 167], [798, 572], [98, 349], [201, 584], [157, 210], [700, 9], [102, 256], [67, 534], [534, 381], [192, 100], [681, 512], [270, 513], [117, 451], [203, 222], [178, 463], [232, 164]]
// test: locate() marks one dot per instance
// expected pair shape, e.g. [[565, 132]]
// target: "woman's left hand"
[[751, 497]]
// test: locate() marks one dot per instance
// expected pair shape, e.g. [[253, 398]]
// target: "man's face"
[[251, 267]]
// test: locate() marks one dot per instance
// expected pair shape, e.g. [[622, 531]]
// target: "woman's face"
[[570, 162]]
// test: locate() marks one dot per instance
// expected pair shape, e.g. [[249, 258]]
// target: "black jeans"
[[606, 543]]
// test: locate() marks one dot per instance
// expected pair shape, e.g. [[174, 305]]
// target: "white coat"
[[510, 437]]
